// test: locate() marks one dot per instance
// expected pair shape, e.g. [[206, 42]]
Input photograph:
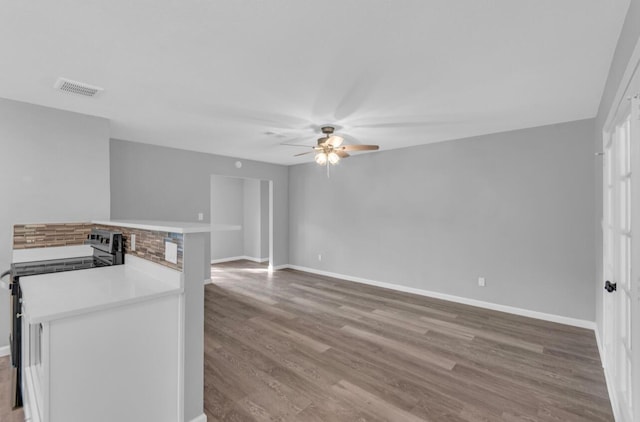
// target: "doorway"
[[241, 219]]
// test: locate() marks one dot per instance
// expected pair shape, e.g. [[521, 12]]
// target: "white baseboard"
[[600, 345], [207, 281], [458, 299], [4, 351], [238, 258], [201, 418], [612, 392], [229, 259]]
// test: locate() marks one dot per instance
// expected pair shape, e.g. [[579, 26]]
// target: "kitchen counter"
[[58, 295], [195, 270], [163, 226], [85, 331]]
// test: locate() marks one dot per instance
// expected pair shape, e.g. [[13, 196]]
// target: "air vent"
[[78, 88]]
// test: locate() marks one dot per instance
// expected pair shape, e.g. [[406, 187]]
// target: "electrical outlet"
[[133, 242], [319, 257], [200, 216], [481, 282], [171, 252]]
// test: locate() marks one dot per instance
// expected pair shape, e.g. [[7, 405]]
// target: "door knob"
[[610, 287]]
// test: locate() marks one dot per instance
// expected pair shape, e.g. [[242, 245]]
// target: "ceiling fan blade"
[[350, 139], [335, 140], [359, 147], [342, 154], [323, 141], [303, 153]]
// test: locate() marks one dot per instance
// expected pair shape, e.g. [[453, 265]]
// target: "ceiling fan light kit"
[[321, 158]]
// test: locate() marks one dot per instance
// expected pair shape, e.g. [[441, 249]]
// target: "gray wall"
[[252, 218], [515, 207], [152, 182], [227, 207], [264, 219], [54, 166], [629, 37]]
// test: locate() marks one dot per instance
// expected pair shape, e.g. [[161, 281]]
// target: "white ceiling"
[[240, 77]]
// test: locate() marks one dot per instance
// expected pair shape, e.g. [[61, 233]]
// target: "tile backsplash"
[[149, 244], [47, 235]]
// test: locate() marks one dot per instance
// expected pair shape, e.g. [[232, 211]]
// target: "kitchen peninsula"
[[123, 342], [194, 263]]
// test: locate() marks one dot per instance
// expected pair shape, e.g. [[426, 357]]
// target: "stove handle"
[[3, 275]]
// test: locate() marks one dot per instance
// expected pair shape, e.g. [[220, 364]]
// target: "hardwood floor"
[[6, 414], [293, 346]]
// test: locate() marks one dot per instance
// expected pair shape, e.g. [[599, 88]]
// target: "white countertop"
[[52, 296], [162, 226]]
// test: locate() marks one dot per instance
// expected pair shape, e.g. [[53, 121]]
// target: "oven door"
[[15, 344]]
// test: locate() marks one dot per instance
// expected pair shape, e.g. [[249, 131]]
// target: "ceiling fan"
[[330, 150]]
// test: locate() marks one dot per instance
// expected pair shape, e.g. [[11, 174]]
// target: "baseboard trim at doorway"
[[238, 258]]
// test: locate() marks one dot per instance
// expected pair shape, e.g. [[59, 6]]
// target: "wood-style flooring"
[[293, 346], [6, 414]]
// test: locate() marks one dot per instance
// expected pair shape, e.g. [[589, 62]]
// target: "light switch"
[[171, 252]]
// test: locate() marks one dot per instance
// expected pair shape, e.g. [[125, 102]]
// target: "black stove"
[[56, 265], [108, 250]]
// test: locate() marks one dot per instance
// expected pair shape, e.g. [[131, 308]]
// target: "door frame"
[[627, 90]]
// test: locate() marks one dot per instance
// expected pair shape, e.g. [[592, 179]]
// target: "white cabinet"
[[34, 376], [117, 360], [119, 364]]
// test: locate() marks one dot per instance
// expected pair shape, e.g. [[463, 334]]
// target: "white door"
[[621, 255]]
